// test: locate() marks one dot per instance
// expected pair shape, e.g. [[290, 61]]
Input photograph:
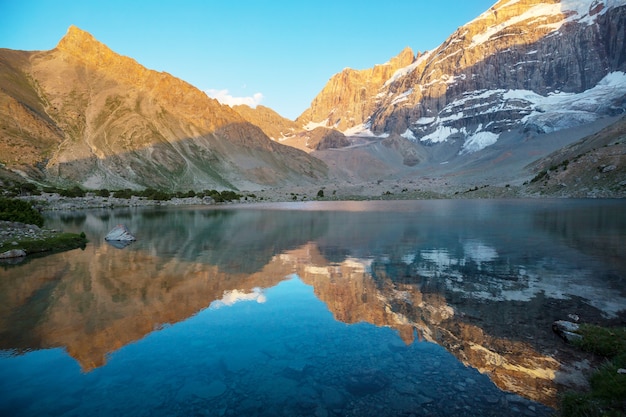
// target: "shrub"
[[103, 193], [228, 195], [608, 342], [157, 195], [125, 193], [75, 191], [28, 188], [539, 176], [14, 210], [608, 386]]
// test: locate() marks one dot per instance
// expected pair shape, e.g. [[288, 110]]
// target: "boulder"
[[120, 234], [13, 253]]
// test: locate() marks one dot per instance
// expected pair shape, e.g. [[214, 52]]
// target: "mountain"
[[346, 101], [510, 82], [524, 80], [82, 114]]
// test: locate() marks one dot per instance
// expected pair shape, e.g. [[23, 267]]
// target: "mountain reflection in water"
[[483, 279]]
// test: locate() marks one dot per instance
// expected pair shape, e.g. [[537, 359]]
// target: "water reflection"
[[485, 280]]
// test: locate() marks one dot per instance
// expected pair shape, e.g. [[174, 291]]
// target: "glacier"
[[543, 114]]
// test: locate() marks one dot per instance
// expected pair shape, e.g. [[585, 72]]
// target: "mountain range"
[[529, 96]]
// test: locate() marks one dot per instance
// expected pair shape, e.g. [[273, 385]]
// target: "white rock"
[[120, 233]]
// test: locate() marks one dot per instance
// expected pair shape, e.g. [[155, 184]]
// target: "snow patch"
[[571, 10], [313, 125], [408, 134], [402, 97], [531, 14], [424, 121], [363, 130], [441, 134], [478, 141]]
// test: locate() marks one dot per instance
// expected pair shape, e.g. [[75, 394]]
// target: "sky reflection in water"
[[309, 311]]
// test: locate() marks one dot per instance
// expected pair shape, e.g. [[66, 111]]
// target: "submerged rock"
[[567, 330], [120, 234]]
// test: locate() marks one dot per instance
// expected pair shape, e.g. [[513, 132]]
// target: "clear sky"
[[276, 53]]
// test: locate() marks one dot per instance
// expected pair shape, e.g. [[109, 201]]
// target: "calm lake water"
[[311, 309]]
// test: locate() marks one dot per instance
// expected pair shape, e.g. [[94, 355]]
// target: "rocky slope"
[[273, 124], [591, 167], [81, 113]]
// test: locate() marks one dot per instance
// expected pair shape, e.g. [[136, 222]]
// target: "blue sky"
[[276, 53]]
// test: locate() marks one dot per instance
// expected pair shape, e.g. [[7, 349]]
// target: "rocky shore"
[[53, 201], [18, 240], [12, 233]]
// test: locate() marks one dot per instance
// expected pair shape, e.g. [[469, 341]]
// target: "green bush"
[[608, 386], [539, 176], [14, 210], [103, 193], [153, 194], [75, 191], [228, 195], [125, 193]]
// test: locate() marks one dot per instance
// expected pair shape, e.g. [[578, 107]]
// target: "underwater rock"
[[567, 330], [366, 382]]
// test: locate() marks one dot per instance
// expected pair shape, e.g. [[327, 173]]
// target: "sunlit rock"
[[120, 235]]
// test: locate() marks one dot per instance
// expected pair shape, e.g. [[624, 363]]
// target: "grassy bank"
[[20, 231], [607, 394], [56, 242]]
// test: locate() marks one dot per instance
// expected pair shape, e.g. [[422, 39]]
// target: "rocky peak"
[[117, 124], [80, 42], [84, 47], [350, 95]]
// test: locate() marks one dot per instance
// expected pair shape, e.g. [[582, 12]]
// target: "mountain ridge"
[[117, 124], [492, 52], [512, 85]]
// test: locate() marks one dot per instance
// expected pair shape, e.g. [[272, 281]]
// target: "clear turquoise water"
[[319, 309]]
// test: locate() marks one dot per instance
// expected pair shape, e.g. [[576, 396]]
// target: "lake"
[[379, 308]]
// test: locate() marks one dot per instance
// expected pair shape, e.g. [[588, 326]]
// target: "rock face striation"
[[81, 113], [273, 124], [529, 65], [349, 97]]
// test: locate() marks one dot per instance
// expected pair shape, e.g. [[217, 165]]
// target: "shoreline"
[[368, 192], [19, 240]]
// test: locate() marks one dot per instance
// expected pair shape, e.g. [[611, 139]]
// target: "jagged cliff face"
[[99, 119], [536, 66], [347, 98]]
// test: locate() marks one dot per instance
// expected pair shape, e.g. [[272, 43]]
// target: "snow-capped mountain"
[[523, 65]]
